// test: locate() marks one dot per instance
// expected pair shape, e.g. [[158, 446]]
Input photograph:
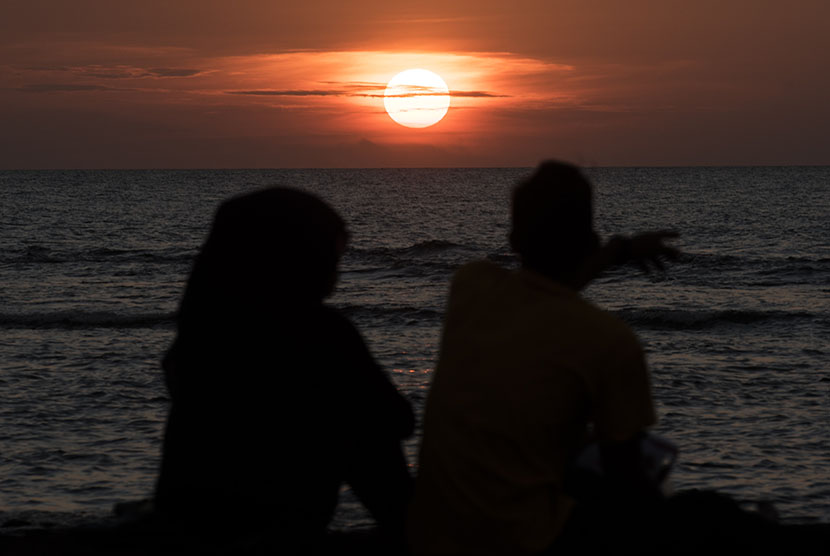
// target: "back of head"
[[552, 219], [268, 252], [274, 243]]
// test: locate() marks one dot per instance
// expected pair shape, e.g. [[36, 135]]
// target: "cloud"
[[289, 93], [173, 72], [413, 90], [365, 90], [45, 68], [417, 91], [477, 94], [109, 73], [64, 87], [131, 72], [117, 71]]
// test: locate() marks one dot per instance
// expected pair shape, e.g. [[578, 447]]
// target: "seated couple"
[[276, 400]]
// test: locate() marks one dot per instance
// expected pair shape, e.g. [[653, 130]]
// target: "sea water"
[[93, 263]]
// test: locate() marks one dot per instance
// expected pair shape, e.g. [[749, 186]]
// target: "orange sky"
[[266, 83]]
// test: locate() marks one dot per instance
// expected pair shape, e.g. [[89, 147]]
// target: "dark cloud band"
[[344, 93]]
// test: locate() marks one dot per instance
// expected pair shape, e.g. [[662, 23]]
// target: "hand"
[[644, 249], [641, 249]]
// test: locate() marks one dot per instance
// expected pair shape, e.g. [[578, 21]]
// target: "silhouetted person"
[[527, 370], [276, 400]]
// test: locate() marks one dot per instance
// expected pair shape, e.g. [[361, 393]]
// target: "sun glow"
[[417, 98]]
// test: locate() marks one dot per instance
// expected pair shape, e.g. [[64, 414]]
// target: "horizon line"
[[388, 167]]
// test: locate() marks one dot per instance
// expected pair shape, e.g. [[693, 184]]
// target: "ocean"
[[93, 263]]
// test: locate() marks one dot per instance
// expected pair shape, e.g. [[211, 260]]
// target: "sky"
[[276, 84]]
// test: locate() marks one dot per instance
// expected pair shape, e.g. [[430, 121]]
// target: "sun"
[[416, 98]]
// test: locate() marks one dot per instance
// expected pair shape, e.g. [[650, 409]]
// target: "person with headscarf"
[[275, 398]]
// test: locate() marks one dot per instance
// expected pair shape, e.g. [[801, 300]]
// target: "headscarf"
[[270, 255]]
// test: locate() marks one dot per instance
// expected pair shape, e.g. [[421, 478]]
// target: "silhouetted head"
[[552, 219], [269, 250], [270, 258]]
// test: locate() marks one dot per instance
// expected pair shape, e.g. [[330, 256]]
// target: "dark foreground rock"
[[126, 543], [692, 523], [807, 540]]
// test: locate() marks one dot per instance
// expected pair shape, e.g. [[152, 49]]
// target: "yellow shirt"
[[525, 365]]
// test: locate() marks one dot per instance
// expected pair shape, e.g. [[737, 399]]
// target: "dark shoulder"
[[479, 273], [610, 325], [333, 321], [340, 333], [334, 316]]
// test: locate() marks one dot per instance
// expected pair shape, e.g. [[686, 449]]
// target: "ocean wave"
[[796, 268], [391, 315], [432, 246], [432, 258], [679, 319], [741, 270], [506, 259], [74, 320], [754, 261], [80, 320], [37, 254]]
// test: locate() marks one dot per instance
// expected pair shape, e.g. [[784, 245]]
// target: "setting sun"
[[416, 98]]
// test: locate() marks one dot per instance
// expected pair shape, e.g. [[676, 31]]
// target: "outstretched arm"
[[645, 250]]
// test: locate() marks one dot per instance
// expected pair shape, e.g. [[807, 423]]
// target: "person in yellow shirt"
[[527, 371]]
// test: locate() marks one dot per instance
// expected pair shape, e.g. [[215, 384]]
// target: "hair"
[[269, 255], [552, 219], [278, 243]]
